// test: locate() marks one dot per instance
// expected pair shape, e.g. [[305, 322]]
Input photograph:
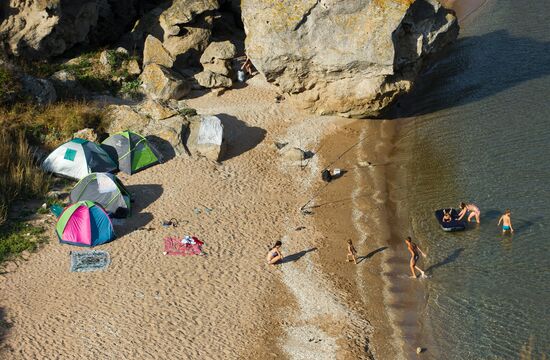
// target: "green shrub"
[[18, 237], [131, 88], [116, 59], [187, 112]]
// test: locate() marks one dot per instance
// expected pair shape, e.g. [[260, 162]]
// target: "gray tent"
[[131, 151], [104, 189]]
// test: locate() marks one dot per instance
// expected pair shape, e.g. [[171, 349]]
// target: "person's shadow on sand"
[[371, 254], [296, 256]]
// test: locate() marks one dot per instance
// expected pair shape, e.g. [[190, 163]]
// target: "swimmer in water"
[[414, 250], [506, 221], [472, 209]]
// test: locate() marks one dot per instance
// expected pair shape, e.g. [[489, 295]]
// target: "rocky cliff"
[[346, 57], [45, 28]]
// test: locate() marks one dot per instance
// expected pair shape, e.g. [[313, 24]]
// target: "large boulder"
[[42, 29], [223, 50], [155, 53], [161, 83], [67, 86], [210, 80], [184, 11], [123, 117], [155, 110], [189, 41], [167, 133], [217, 67], [206, 137], [41, 90], [349, 57]]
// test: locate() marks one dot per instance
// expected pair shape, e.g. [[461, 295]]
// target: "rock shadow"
[[296, 256], [239, 137], [449, 259], [165, 150], [474, 68], [144, 195]]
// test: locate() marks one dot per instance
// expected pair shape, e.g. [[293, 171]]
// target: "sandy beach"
[[229, 304]]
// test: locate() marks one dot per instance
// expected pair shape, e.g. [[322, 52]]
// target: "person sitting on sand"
[[414, 250], [472, 209], [446, 216], [351, 253], [274, 253], [506, 221]]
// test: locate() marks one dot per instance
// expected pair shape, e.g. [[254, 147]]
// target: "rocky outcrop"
[[67, 86], [41, 90], [217, 67], [155, 53], [345, 57], [161, 83], [42, 29], [167, 133], [184, 28]]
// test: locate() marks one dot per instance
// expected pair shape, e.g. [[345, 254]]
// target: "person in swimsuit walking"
[[414, 250], [352, 253], [506, 221], [274, 254], [472, 209]]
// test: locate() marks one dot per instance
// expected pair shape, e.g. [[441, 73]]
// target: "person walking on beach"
[[351, 252], [414, 250], [472, 209], [274, 254], [506, 221]]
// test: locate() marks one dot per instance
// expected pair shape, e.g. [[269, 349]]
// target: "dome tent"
[[84, 224], [78, 158], [104, 189], [131, 151]]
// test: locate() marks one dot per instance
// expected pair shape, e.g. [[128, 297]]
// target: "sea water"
[[481, 134]]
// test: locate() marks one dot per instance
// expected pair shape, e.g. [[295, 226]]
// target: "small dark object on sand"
[[300, 228], [280, 145], [326, 176]]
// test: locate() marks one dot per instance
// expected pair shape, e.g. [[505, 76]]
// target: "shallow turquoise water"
[[482, 135]]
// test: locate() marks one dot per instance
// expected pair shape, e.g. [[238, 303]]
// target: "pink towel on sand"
[[173, 246]]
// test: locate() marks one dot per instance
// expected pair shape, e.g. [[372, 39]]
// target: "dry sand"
[[229, 305]]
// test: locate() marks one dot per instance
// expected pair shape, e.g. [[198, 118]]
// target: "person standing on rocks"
[[414, 250]]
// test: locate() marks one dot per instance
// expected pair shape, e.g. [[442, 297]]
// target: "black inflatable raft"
[[452, 225]]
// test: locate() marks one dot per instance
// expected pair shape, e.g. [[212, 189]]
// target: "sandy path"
[[150, 306]]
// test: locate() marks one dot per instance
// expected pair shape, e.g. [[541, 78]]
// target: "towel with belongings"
[[189, 245]]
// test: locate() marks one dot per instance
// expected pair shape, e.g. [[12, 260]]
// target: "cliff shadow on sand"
[[474, 68]]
